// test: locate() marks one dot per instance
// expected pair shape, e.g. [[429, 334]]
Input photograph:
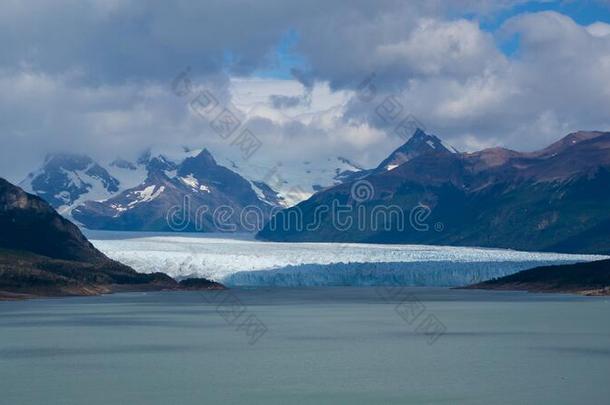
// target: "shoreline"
[[190, 284], [540, 289], [6, 296], [586, 279]]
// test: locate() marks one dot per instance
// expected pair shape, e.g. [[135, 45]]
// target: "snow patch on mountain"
[[147, 194], [296, 181], [192, 182]]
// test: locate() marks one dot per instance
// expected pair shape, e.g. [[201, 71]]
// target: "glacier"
[[240, 261]]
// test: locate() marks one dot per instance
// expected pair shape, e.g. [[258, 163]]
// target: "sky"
[[307, 80]]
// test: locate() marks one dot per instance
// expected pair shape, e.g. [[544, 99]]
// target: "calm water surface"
[[322, 345]]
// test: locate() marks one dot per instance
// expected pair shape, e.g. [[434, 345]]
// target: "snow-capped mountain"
[[112, 195], [281, 183], [65, 180], [555, 199], [297, 181], [419, 144], [194, 195], [68, 181]]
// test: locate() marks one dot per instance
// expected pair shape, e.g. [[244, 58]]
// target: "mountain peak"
[[159, 164], [418, 144], [144, 157], [68, 161], [206, 156], [65, 177], [569, 141], [203, 158], [419, 133], [423, 141], [201, 166]]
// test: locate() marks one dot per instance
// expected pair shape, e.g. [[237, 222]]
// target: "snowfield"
[[241, 261]]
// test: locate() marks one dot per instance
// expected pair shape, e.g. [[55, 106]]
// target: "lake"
[[308, 345]]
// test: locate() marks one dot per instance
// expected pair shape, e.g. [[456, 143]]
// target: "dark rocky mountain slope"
[[556, 199], [44, 254], [583, 278]]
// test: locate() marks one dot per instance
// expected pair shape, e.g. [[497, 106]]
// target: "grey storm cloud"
[[95, 75], [118, 41]]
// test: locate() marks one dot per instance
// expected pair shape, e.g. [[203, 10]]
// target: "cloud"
[[116, 41], [599, 29], [48, 113], [96, 76], [281, 102], [433, 48], [553, 85]]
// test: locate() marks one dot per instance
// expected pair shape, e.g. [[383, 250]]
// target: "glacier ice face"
[[239, 261], [413, 274]]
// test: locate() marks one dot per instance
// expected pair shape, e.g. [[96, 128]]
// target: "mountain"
[[120, 195], [68, 181], [65, 178], [418, 144], [583, 278], [296, 181], [195, 195], [42, 253], [555, 199], [30, 223]]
